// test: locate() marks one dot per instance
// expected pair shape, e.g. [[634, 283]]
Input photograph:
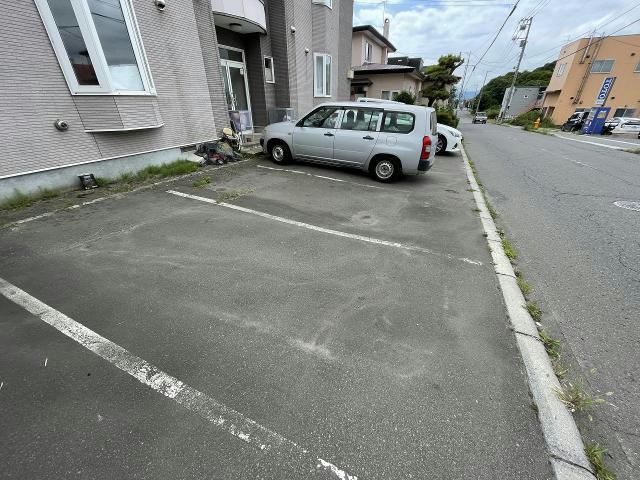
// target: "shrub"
[[405, 97], [447, 117], [493, 112], [525, 118]]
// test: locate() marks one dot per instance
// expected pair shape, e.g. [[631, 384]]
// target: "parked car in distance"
[[575, 122], [385, 139], [621, 125], [479, 117], [449, 139]]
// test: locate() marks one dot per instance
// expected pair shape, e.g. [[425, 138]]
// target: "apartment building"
[[595, 72], [377, 75], [108, 86]]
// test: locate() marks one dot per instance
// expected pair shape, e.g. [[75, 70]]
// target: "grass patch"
[[525, 288], [633, 150], [20, 200], [575, 397], [233, 194], [558, 368], [595, 454], [509, 249], [201, 182], [551, 345], [534, 311], [492, 211], [103, 182], [179, 167]]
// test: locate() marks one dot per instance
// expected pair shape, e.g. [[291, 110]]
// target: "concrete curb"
[[564, 443]]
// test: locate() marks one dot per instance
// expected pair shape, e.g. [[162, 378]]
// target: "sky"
[[431, 28]]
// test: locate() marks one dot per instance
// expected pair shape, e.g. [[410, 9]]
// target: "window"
[[637, 70], [269, 75], [362, 119], [388, 94], [602, 66], [625, 112], [324, 117], [98, 45], [368, 52], [322, 75], [398, 122], [561, 69], [328, 3]]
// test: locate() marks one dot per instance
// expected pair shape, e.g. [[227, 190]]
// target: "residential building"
[[584, 70], [377, 75], [524, 99], [109, 86]]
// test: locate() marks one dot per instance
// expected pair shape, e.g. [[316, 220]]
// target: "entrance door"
[[236, 87]]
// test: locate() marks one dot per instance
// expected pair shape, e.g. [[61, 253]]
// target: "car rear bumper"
[[424, 165]]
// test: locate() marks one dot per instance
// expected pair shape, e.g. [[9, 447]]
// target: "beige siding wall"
[[626, 89], [378, 53], [396, 81]]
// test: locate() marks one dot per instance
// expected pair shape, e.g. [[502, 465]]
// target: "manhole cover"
[[628, 205]]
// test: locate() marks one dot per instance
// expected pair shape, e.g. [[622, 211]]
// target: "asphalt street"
[[556, 200], [350, 321]]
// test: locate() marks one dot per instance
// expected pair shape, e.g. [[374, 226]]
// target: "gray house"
[[108, 86], [524, 99]]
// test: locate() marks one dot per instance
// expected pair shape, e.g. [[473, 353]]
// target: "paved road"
[[582, 255], [385, 361]]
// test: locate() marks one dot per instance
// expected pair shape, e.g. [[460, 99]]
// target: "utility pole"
[[464, 79], [525, 26], [480, 94]]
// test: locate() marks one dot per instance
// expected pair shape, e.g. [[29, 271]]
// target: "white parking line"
[[584, 141], [322, 229], [216, 413], [333, 179]]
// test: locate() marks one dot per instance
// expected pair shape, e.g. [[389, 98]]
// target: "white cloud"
[[431, 28]]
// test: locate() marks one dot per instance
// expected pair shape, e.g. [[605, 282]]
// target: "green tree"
[[493, 91], [405, 97], [439, 78]]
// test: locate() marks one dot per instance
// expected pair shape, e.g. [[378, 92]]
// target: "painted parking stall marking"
[[333, 179], [222, 417], [635, 206], [329, 231]]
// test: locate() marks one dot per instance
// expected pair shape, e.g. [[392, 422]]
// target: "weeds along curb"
[[118, 194], [564, 443]]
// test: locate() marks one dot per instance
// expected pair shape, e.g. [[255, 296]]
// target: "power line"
[[497, 34]]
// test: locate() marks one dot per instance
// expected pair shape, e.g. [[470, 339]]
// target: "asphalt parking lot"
[[314, 325]]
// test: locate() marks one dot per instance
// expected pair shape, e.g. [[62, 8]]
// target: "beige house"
[[375, 75], [582, 68]]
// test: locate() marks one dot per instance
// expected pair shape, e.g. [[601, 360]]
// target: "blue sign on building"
[[607, 84]]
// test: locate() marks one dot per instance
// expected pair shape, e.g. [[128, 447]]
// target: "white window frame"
[[561, 68], [391, 94], [324, 93], [92, 41], [326, 3], [368, 52], [273, 70], [591, 70]]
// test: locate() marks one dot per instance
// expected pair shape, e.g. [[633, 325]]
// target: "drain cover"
[[628, 205]]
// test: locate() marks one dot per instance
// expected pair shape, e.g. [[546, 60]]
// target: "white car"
[[386, 140], [449, 139], [624, 125]]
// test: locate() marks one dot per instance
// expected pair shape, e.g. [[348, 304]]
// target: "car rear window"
[[398, 122]]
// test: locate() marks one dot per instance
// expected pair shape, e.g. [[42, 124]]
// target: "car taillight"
[[426, 148]]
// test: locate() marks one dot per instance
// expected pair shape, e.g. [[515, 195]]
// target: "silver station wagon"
[[385, 139]]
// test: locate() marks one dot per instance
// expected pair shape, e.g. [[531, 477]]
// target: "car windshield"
[[481, 114]]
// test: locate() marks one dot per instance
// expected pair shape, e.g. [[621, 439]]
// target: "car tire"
[[441, 146], [279, 152], [385, 169]]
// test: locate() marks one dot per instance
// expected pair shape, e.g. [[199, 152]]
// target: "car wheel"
[[441, 146], [385, 169], [279, 152]]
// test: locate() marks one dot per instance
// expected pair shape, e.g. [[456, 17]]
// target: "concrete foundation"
[[67, 177]]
